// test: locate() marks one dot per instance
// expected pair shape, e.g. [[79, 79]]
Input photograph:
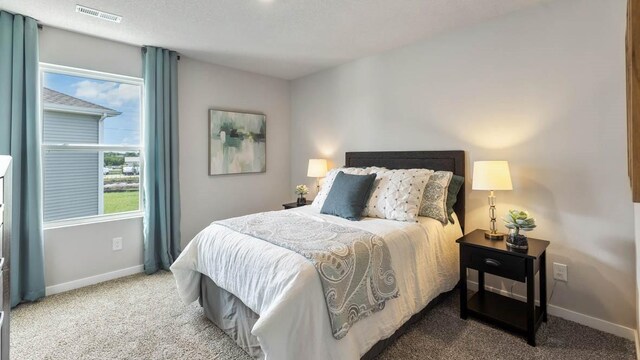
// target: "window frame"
[[104, 76]]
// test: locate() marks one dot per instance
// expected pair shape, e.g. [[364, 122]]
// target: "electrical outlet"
[[560, 272], [116, 244]]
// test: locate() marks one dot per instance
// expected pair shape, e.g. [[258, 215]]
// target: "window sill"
[[92, 220]]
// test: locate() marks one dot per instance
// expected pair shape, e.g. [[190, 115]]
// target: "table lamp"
[[492, 176], [317, 169]]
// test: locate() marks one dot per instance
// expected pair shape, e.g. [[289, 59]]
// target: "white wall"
[[543, 88], [78, 252], [205, 198]]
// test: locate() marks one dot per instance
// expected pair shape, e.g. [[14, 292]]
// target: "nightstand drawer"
[[492, 262]]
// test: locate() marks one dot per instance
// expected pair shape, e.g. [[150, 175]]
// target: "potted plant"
[[517, 221], [301, 191]]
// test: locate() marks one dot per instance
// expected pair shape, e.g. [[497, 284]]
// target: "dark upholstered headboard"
[[435, 160]]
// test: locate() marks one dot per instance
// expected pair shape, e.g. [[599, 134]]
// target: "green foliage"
[[133, 179], [517, 219], [113, 159], [117, 158]]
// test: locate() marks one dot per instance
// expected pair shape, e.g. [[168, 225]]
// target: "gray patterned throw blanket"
[[354, 265]]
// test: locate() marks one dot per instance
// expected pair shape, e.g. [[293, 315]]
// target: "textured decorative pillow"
[[328, 182], [375, 169], [452, 194], [397, 194], [348, 195], [434, 198]]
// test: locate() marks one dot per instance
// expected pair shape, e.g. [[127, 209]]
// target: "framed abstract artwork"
[[237, 142]]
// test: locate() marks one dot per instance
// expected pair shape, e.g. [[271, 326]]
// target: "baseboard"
[[590, 321], [76, 284]]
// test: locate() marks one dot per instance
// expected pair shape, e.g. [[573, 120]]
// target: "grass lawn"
[[115, 202]]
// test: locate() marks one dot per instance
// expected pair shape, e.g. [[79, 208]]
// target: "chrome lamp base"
[[494, 236], [493, 233]]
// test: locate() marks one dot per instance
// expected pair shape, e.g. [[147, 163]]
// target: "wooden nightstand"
[[494, 257], [295, 205]]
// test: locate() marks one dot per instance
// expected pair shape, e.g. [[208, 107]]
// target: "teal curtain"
[[161, 182], [20, 138]]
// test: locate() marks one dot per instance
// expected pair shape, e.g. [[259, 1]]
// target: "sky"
[[123, 129]]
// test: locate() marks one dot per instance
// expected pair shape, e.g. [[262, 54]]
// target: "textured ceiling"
[[282, 38]]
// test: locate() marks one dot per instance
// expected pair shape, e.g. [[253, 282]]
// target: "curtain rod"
[[40, 27], [144, 49], [37, 21]]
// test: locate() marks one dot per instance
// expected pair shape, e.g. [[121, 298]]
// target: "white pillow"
[[331, 176], [397, 194], [434, 199]]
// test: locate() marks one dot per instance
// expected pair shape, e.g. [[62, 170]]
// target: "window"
[[91, 144]]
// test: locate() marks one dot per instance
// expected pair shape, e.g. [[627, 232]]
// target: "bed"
[[270, 301]]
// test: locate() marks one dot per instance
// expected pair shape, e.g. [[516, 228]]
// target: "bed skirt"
[[233, 317], [230, 315]]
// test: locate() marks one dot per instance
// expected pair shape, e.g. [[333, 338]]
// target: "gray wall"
[[207, 198], [74, 253], [543, 88], [636, 208], [78, 252], [70, 177]]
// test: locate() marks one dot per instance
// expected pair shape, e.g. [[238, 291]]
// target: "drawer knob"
[[492, 262]]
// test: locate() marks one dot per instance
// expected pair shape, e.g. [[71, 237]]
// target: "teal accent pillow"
[[348, 195], [452, 196]]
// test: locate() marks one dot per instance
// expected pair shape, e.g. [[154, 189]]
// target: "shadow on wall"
[[570, 298]]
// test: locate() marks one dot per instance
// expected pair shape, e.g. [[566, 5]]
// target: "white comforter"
[[284, 289]]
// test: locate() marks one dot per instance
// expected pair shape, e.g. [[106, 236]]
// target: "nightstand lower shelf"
[[496, 258], [504, 311]]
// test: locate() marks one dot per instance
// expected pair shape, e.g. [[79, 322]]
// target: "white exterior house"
[[72, 177]]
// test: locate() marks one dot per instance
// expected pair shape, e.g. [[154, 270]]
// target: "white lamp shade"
[[491, 175], [317, 168]]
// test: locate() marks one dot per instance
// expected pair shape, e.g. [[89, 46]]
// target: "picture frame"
[[237, 142]]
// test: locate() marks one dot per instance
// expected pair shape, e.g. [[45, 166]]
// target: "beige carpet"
[[141, 317]]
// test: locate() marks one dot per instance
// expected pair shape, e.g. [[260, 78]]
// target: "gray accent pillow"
[[331, 175], [434, 198], [452, 195], [348, 195]]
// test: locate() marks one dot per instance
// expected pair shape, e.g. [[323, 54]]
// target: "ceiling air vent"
[[99, 14]]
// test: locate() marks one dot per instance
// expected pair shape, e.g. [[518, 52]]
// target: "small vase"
[[515, 240], [301, 200]]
